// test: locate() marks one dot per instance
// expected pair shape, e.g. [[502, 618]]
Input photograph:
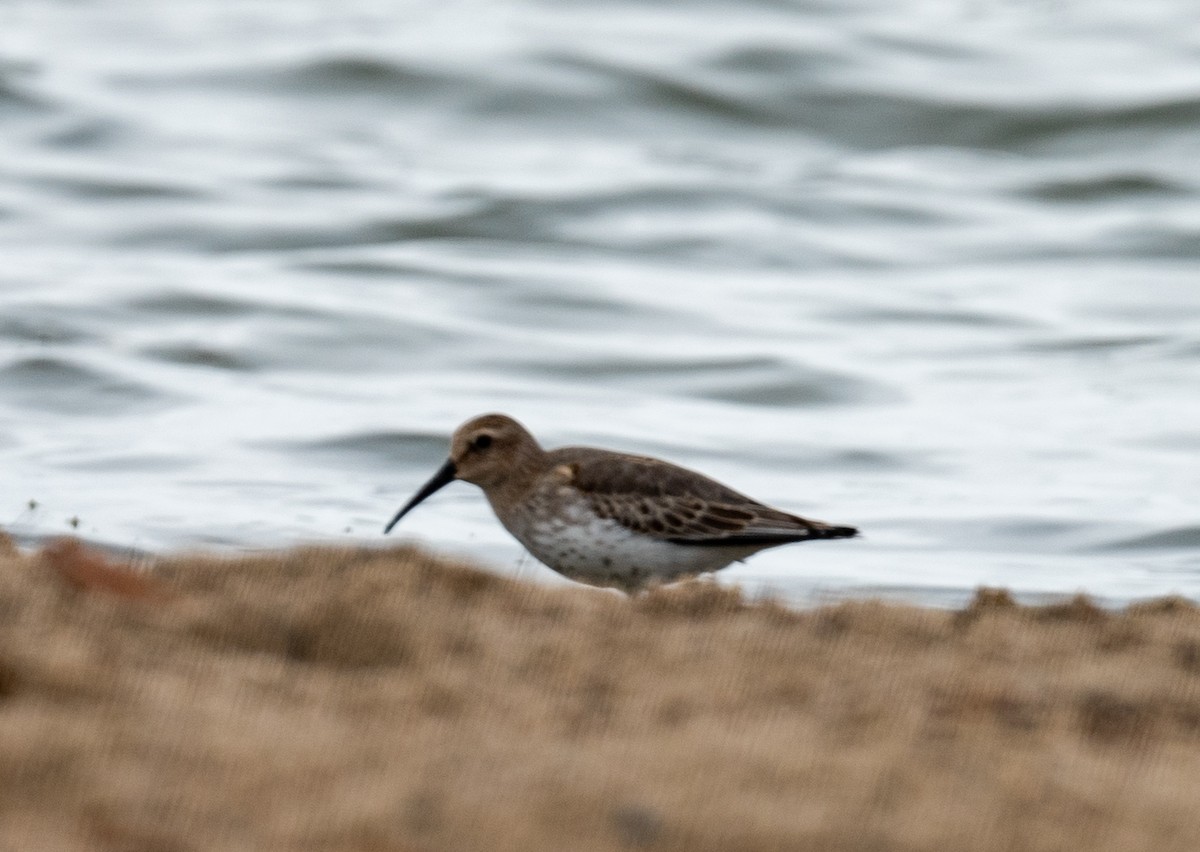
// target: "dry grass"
[[326, 699]]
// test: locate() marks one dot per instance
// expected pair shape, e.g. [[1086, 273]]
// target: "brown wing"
[[675, 504]]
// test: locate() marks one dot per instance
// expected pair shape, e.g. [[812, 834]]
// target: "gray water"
[[929, 268]]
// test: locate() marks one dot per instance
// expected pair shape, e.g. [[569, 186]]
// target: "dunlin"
[[608, 518]]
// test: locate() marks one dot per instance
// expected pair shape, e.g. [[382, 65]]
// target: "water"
[[929, 268]]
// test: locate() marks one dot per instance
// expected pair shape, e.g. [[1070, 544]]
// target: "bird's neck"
[[520, 479]]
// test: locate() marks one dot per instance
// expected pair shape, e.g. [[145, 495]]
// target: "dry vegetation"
[[327, 699]]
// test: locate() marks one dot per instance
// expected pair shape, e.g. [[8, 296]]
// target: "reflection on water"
[[922, 268]]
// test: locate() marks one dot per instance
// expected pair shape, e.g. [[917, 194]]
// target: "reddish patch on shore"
[[90, 570]]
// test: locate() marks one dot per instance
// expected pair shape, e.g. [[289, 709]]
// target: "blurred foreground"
[[362, 699]]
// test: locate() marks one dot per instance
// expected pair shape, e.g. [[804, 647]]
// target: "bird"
[[607, 518]]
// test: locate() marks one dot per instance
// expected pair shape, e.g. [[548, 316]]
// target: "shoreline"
[[362, 698]]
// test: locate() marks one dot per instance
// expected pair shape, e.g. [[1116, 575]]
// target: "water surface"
[[926, 268]]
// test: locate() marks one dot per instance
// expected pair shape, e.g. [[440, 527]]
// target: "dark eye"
[[482, 442]]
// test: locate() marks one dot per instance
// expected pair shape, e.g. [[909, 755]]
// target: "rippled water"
[[929, 268]]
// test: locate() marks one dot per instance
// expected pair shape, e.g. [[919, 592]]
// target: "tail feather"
[[831, 531]]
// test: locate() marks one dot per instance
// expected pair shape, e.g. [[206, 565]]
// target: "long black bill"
[[440, 479]]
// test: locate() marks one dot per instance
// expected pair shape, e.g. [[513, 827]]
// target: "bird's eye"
[[482, 442]]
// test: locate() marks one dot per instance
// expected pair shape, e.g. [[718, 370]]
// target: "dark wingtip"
[[812, 532]]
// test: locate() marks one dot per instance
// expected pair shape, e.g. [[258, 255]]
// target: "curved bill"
[[443, 477]]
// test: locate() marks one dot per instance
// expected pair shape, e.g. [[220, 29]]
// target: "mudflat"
[[365, 699]]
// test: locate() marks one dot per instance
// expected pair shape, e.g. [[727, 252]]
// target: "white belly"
[[599, 551]]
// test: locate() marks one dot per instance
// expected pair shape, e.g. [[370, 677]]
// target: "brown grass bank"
[[327, 699]]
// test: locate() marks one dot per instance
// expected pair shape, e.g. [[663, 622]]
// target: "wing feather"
[[668, 502]]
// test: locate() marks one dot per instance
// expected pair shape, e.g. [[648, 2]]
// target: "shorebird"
[[611, 519]]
